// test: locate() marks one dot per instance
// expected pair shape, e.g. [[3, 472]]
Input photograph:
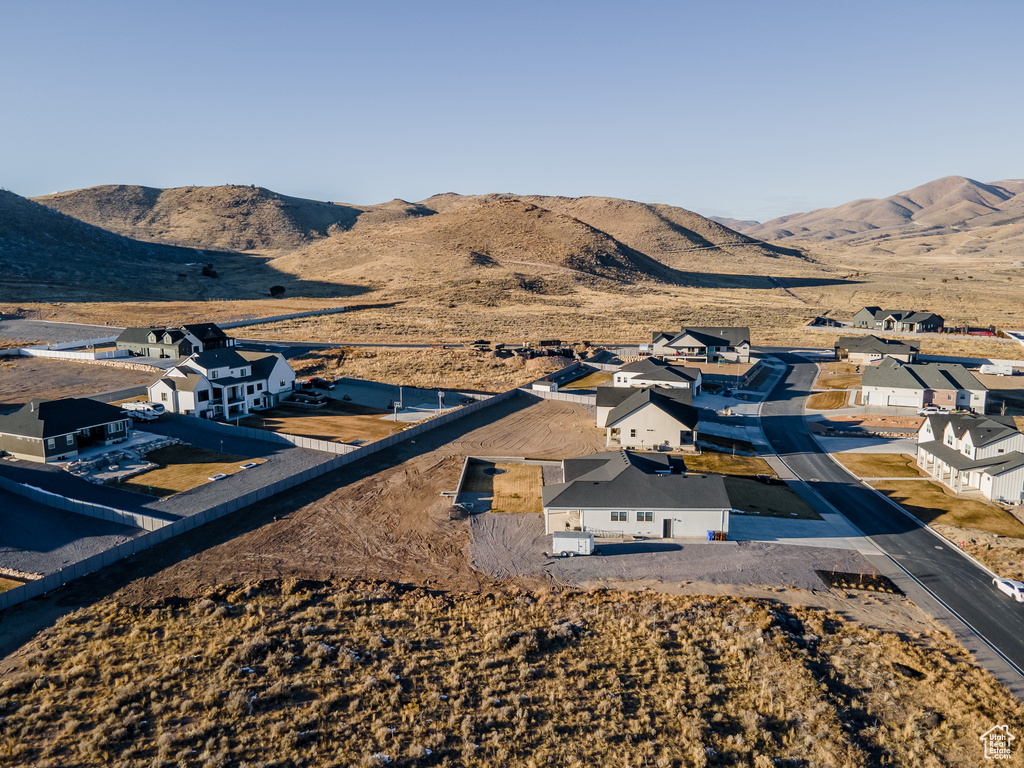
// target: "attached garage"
[[911, 400]]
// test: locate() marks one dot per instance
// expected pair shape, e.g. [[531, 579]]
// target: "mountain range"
[[951, 203]]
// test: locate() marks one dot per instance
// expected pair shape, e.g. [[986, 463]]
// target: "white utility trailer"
[[572, 543]]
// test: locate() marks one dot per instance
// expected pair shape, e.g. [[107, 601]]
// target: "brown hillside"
[[492, 238], [953, 201], [230, 217]]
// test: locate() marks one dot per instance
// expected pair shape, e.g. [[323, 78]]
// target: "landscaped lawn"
[[931, 503], [879, 464], [338, 421], [182, 467], [768, 500], [826, 401], [589, 381], [726, 464]]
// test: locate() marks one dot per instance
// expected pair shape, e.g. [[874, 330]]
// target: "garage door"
[[910, 400]]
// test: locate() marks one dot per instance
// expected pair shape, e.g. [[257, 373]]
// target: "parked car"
[[319, 383], [932, 410], [1014, 589], [726, 393]]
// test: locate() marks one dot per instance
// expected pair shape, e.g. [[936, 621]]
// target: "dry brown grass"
[[838, 376], [879, 464], [183, 467], [6, 584], [304, 673], [462, 369], [931, 503], [827, 401], [337, 421], [589, 381], [725, 464], [517, 489]]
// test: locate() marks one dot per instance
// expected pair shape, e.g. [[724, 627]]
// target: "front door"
[[666, 528]]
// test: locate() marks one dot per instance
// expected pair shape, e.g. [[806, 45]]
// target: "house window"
[[632, 433], [71, 440], [202, 396], [645, 517], [51, 443], [259, 386], [250, 389], [163, 396], [245, 371], [618, 517], [282, 382], [213, 374]]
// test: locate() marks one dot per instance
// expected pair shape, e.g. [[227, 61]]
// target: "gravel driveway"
[[507, 545]]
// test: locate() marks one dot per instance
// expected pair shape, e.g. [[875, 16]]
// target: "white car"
[[1014, 589], [932, 410]]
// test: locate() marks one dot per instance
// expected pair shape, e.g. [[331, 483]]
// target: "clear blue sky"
[[746, 108]]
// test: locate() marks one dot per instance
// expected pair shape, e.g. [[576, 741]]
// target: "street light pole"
[[440, 401]]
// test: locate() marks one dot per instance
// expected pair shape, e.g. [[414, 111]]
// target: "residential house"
[[705, 343], [906, 320], [650, 418], [947, 385], [620, 493], [965, 451], [182, 341], [652, 372], [57, 430], [868, 350], [224, 383]]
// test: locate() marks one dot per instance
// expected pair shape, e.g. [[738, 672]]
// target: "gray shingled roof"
[[661, 399], [873, 344], [205, 331], [658, 370], [713, 336], [995, 465], [137, 335], [49, 418], [609, 396], [905, 315], [894, 374], [983, 429], [218, 358], [628, 480], [188, 383]]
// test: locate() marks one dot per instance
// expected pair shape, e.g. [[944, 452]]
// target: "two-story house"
[[182, 341], [971, 452], [224, 384]]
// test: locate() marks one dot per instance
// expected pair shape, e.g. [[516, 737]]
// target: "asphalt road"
[[965, 588]]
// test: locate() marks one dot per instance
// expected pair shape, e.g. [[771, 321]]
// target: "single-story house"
[[620, 493], [867, 350], [182, 341], [653, 372], [948, 385], [705, 343], [907, 320], [224, 383], [651, 418], [56, 430], [965, 451]]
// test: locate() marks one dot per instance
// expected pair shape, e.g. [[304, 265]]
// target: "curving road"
[[965, 589]]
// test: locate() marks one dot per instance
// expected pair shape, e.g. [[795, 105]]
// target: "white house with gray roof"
[[967, 452], [625, 493], [868, 350], [708, 343], [647, 419], [904, 320], [652, 372], [947, 385], [224, 384]]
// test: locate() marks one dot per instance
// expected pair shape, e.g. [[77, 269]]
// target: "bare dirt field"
[[338, 420], [24, 378]]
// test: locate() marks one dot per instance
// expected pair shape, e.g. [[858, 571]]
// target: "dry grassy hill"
[[953, 201], [360, 674]]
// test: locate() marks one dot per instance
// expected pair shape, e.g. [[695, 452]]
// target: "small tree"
[[276, 291]]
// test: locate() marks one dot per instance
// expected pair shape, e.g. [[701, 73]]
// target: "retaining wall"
[[62, 349], [153, 537]]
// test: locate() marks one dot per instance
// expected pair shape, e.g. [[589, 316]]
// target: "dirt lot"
[[337, 420], [23, 378], [838, 376], [909, 423]]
